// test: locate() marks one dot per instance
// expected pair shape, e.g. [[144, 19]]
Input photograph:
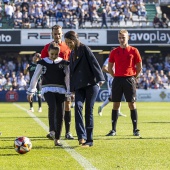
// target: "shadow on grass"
[[155, 122], [132, 138], [32, 138], [10, 154], [24, 117]]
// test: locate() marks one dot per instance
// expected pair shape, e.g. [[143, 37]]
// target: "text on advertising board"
[[48, 35], [10, 37], [142, 37]]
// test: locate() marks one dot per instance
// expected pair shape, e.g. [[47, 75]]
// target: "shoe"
[[111, 133], [40, 110], [87, 144], [121, 114], [31, 109], [50, 136], [56, 143], [136, 132], [82, 141], [69, 136], [100, 111]]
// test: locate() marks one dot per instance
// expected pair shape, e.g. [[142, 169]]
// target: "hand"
[[29, 98], [101, 83]]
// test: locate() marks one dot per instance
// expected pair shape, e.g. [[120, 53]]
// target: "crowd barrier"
[[151, 95]]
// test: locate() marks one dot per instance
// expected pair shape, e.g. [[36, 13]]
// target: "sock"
[[31, 104], [105, 103], [39, 101], [114, 119], [119, 108], [67, 119], [134, 118]]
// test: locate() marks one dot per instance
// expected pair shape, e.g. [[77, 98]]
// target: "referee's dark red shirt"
[[125, 60]]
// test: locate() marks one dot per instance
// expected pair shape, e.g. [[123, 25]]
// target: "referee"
[[127, 64]]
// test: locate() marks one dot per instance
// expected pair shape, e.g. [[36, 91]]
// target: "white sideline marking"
[[79, 158]]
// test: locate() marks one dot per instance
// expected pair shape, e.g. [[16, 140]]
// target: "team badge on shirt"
[[44, 69]]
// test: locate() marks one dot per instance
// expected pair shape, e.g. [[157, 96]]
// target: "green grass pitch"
[[123, 152]]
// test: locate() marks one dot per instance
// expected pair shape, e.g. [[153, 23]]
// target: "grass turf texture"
[[123, 151]]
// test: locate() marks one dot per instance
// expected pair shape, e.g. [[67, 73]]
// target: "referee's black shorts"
[[126, 86]]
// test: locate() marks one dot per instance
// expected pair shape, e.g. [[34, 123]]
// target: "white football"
[[22, 145]]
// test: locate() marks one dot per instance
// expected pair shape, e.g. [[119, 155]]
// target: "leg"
[[59, 117], [134, 115], [31, 106], [79, 101], [130, 96], [100, 108], [116, 96], [67, 118], [119, 112], [114, 118], [39, 103], [39, 96], [51, 101], [91, 95]]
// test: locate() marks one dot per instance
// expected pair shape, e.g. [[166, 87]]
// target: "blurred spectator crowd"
[[155, 75], [40, 13], [161, 21]]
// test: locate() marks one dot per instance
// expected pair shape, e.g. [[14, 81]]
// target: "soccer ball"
[[22, 145]]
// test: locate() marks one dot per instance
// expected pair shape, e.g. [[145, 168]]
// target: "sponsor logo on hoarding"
[[103, 95], [91, 37], [39, 35], [144, 96], [146, 37], [11, 96], [162, 95], [10, 37]]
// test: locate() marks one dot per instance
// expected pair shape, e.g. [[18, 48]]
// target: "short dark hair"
[[54, 46]]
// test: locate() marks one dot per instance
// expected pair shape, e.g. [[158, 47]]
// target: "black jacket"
[[85, 69]]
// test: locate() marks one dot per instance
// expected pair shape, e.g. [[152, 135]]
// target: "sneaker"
[[40, 110], [69, 136], [87, 144], [100, 111], [57, 143], [50, 136], [31, 109], [72, 104], [111, 133], [121, 114], [136, 132]]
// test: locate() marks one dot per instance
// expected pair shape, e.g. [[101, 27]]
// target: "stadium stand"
[[79, 14], [155, 75]]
